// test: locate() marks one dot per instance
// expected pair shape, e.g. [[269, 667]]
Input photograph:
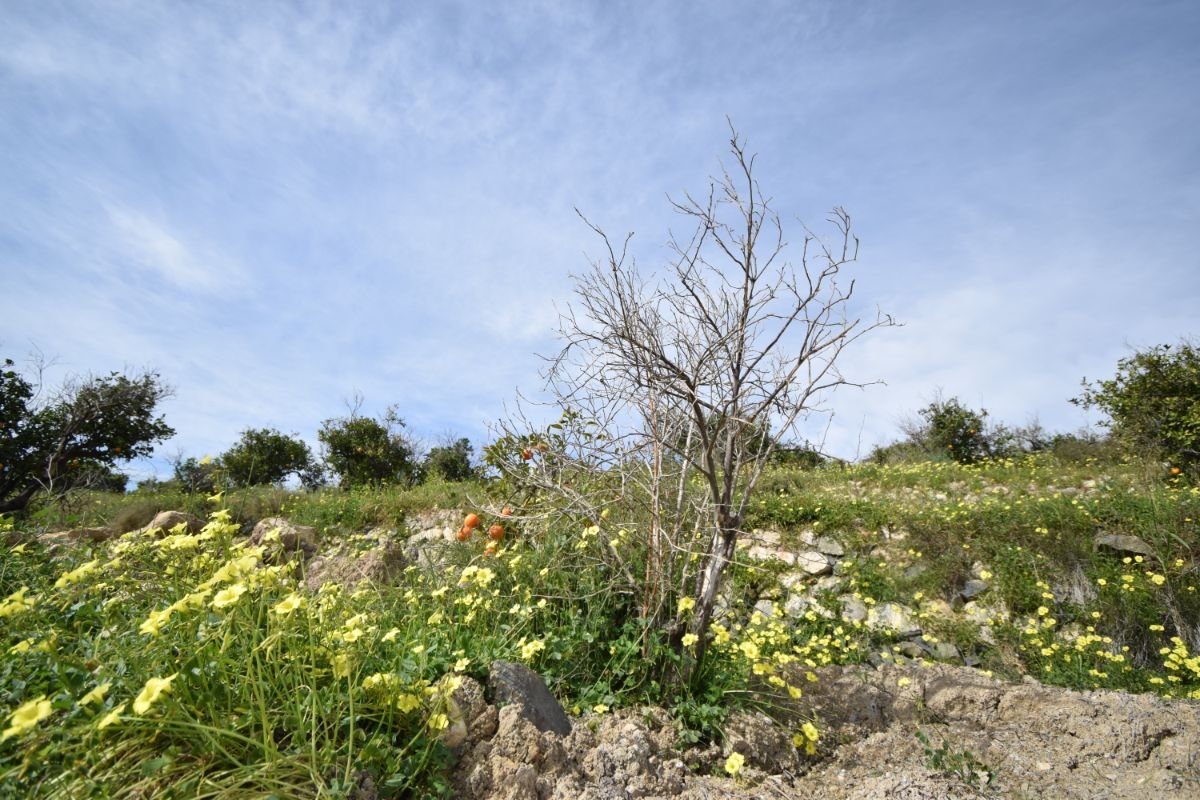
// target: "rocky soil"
[[1024, 741]]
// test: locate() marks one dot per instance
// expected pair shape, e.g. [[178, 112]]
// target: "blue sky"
[[279, 205]]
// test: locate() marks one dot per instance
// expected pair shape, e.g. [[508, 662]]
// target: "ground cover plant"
[[175, 664]]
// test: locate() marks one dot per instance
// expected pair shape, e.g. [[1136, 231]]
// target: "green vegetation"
[[1153, 404], [75, 437], [223, 677], [362, 451], [262, 456]]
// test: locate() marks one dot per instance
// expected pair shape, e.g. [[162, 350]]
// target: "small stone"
[[830, 546], [895, 617], [814, 563], [973, 588], [853, 608]]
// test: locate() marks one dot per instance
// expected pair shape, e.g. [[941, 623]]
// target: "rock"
[[853, 608], [96, 535], [300, 539], [830, 546], [166, 521], [973, 588], [915, 571], [523, 688], [813, 562], [1123, 543], [760, 553], [380, 565], [944, 651], [894, 617], [789, 580]]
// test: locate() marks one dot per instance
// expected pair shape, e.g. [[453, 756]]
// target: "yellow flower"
[[810, 731], [95, 695], [408, 702], [439, 722], [390, 635], [77, 574], [686, 604], [903, 682], [16, 603], [26, 716], [341, 666], [734, 764], [600, 708], [154, 689], [228, 597], [21, 647], [690, 639], [111, 717], [1042, 611], [155, 621]]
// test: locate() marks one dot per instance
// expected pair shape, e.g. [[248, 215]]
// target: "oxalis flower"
[[228, 597], [734, 764], [154, 689], [288, 604], [27, 716]]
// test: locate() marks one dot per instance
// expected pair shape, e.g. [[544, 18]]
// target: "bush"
[[450, 462], [362, 451], [1153, 404], [266, 456], [75, 438]]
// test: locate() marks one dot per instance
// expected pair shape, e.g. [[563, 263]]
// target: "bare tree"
[[695, 378]]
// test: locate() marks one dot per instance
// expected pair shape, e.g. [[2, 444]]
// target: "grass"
[[196, 666]]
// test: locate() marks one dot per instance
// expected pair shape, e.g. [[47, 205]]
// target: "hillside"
[[1034, 620]]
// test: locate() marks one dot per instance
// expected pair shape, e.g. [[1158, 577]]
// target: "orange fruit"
[[463, 534], [496, 533], [506, 511], [526, 454], [472, 521]]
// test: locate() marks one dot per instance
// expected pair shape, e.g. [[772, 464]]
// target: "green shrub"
[[1153, 404]]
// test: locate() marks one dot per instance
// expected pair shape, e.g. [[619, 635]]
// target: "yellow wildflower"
[[690, 639], [111, 717], [26, 716], [154, 689], [734, 764], [96, 695], [229, 596]]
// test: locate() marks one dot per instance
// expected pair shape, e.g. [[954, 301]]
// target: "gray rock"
[[895, 617], [300, 539], [973, 588], [830, 546], [853, 608], [167, 521], [944, 651], [814, 563], [1123, 543], [520, 686]]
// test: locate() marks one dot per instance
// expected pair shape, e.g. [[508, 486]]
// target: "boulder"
[[166, 521], [300, 539], [381, 564], [517, 685], [1123, 543]]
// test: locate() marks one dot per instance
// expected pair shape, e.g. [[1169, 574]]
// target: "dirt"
[[985, 739]]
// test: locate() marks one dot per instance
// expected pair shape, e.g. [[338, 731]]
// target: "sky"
[[282, 206]]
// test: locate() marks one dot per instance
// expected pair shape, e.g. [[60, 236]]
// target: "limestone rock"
[[814, 563], [167, 521], [1123, 543], [300, 539], [895, 617]]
